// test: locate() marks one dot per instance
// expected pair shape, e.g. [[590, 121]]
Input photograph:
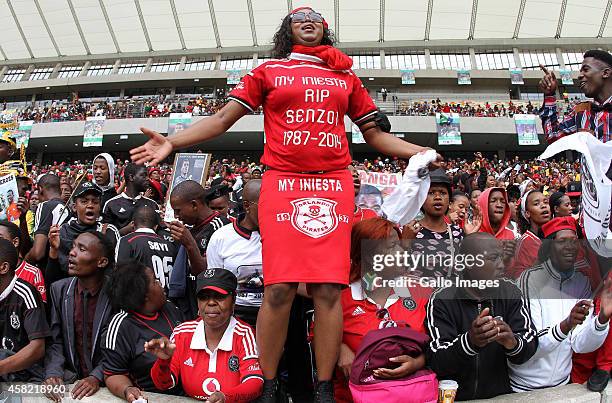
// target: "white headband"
[[524, 203]]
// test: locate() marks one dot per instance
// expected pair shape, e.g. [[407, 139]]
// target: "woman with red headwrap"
[[306, 202]]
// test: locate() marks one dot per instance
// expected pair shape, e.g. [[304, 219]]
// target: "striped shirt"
[[585, 116], [32, 275]]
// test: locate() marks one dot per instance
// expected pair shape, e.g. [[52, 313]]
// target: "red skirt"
[[305, 225]]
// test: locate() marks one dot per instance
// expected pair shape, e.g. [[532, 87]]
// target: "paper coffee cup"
[[447, 390]]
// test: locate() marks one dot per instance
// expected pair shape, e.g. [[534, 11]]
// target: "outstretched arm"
[[390, 145], [159, 147]]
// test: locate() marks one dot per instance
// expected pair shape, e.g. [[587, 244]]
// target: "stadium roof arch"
[[69, 29]]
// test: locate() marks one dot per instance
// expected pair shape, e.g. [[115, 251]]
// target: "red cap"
[[309, 8], [558, 224]]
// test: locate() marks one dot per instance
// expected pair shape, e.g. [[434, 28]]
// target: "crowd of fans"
[[112, 244], [474, 109], [470, 278], [62, 111], [163, 106]]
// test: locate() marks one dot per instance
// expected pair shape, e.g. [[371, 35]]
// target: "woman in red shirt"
[[213, 357], [366, 307], [534, 211], [306, 204]]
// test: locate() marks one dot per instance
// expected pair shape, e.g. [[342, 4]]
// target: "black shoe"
[[598, 380], [269, 393], [324, 392]]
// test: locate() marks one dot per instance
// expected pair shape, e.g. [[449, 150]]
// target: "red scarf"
[[333, 57]]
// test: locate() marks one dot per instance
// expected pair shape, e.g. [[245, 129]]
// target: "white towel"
[[404, 203]]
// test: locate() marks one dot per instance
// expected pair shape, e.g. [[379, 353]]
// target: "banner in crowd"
[[93, 131], [448, 127], [463, 77], [233, 77], [526, 130], [566, 77], [178, 122], [516, 76], [8, 198], [375, 187], [357, 136], [9, 121], [596, 200], [187, 166], [408, 76], [22, 134]]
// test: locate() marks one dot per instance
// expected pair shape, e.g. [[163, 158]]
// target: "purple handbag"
[[374, 352]]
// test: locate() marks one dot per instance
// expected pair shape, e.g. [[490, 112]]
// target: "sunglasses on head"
[[300, 16]]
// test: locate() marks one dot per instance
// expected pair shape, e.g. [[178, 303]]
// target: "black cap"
[[217, 191], [439, 176], [85, 187], [574, 189], [219, 280]]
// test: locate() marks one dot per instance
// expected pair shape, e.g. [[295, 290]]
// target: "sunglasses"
[[301, 16]]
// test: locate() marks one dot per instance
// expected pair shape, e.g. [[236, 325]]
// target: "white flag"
[[596, 186]]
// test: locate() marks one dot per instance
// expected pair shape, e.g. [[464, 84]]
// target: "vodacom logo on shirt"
[[210, 386]]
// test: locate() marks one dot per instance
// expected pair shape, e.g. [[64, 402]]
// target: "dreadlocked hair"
[[283, 41]]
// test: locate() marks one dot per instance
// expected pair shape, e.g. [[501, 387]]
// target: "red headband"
[[558, 224], [308, 8]]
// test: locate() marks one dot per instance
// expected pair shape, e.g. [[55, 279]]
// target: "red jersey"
[[32, 275], [526, 254], [232, 368], [360, 315], [304, 105]]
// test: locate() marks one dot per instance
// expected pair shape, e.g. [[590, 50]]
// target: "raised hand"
[[438, 163], [474, 226], [548, 83], [483, 329], [154, 150], [410, 230], [23, 205], [54, 238], [577, 315], [180, 233], [162, 348]]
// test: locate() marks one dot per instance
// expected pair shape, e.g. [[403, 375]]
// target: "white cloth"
[[404, 203], [238, 185], [596, 200]]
